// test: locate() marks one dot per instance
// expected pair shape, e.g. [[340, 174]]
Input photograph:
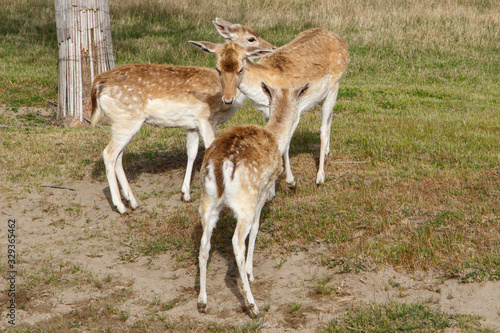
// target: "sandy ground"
[[71, 274]]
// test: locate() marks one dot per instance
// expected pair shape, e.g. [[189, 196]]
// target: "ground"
[[75, 271], [75, 274]]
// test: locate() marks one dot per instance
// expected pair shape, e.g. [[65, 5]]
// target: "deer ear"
[[205, 46], [255, 52], [267, 90], [300, 92], [225, 29]]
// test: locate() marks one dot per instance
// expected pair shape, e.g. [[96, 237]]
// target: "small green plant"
[[164, 306], [294, 307], [249, 326], [325, 290], [111, 309], [75, 268], [124, 315], [279, 264], [322, 286]]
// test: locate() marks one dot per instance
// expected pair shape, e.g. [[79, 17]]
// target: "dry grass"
[[413, 178]]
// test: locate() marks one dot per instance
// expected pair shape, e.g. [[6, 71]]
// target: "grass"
[[294, 307], [413, 177], [402, 317]]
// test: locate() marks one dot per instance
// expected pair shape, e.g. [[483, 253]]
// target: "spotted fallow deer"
[[164, 96], [239, 170], [316, 56]]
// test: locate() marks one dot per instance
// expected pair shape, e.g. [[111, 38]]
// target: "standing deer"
[[164, 96], [316, 56], [239, 170]]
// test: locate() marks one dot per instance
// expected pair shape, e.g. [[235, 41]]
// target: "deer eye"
[[251, 39], [241, 71]]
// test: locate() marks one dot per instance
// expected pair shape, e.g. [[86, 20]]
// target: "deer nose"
[[228, 101]]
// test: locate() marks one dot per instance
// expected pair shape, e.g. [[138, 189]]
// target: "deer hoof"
[[202, 307], [320, 179], [253, 311], [121, 209], [185, 197]]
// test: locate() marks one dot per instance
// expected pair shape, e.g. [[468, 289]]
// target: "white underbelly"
[[170, 114]]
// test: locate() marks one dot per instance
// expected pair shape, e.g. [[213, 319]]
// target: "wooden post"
[[85, 50]]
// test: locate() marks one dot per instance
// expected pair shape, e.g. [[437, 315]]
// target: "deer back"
[[248, 147], [165, 95]]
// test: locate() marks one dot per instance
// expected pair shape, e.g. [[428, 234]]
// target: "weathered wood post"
[[85, 50]]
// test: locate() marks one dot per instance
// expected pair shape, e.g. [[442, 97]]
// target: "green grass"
[[402, 317], [413, 177]]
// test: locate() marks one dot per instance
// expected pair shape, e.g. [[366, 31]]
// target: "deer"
[[317, 56], [165, 96], [239, 170]]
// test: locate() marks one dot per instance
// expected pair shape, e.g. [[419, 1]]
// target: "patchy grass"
[[402, 317], [413, 177]]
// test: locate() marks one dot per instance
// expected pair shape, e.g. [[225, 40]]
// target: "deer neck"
[[250, 85], [282, 125]]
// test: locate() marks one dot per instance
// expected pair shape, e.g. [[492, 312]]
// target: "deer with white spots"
[[239, 170], [165, 96], [316, 56]]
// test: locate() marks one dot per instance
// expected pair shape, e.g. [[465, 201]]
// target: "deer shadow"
[[157, 162], [306, 142], [154, 163]]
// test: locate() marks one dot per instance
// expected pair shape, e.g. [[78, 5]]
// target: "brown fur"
[[298, 64], [240, 145], [230, 63], [160, 95], [141, 77], [311, 55], [248, 30], [279, 118]]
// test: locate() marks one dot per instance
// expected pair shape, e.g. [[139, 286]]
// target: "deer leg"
[[209, 212], [290, 180], [209, 220], [109, 156], [253, 235], [242, 229], [122, 179], [113, 163], [326, 124], [207, 133], [272, 192], [193, 140]]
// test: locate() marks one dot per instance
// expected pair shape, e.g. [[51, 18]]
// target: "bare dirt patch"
[[74, 272]]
